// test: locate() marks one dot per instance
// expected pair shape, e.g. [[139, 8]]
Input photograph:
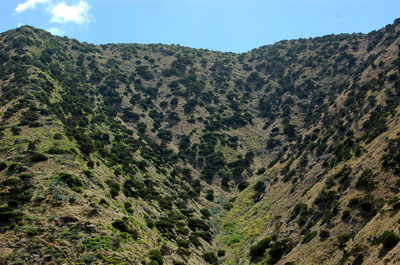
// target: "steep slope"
[[153, 154]]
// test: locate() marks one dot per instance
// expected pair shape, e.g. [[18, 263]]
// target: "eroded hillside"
[[160, 154]]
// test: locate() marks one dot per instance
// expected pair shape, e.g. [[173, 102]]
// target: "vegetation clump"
[[389, 239], [123, 226], [72, 181]]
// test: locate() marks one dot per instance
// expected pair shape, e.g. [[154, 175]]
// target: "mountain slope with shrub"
[[162, 154]]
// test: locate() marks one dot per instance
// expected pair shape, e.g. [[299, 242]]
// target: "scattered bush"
[[389, 239], [3, 165], [210, 195], [37, 157], [261, 171], [210, 258], [114, 187], [309, 237], [156, 256], [72, 181], [243, 185], [123, 226], [342, 239], [221, 253], [324, 234], [258, 250], [205, 212]]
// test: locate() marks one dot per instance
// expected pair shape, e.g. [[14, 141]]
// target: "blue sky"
[[223, 25]]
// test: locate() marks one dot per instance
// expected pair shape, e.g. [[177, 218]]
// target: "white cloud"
[[63, 13], [29, 4], [56, 31]]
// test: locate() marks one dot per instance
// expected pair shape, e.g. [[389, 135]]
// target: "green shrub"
[[389, 239], [31, 231], [204, 235], [156, 256], [259, 187], [57, 151], [299, 208], [164, 225], [15, 130], [141, 127], [15, 168], [90, 164], [114, 187], [165, 250], [37, 157], [234, 238], [182, 243], [366, 180], [8, 214], [149, 222], [342, 239], [210, 195], [3, 166], [309, 237], [278, 249], [128, 207], [72, 181], [123, 226], [323, 234], [12, 181], [205, 212], [258, 250], [210, 258], [243, 185], [261, 171], [195, 223], [346, 214]]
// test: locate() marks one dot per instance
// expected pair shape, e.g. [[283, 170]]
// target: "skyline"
[[221, 25]]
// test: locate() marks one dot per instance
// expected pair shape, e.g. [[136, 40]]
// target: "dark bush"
[[37, 157], [15, 130], [3, 166], [72, 181], [205, 235], [279, 248], [156, 256], [366, 180], [261, 171], [164, 225], [149, 222], [114, 187], [323, 234], [389, 239], [8, 214], [122, 225], [195, 223], [243, 185], [141, 127], [221, 253], [205, 212], [259, 187], [210, 258], [58, 136], [258, 250], [309, 237], [342, 239]]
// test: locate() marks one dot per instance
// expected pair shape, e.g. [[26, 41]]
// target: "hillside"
[[163, 154]]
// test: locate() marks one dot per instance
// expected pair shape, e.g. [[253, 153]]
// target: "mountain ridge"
[[159, 154]]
